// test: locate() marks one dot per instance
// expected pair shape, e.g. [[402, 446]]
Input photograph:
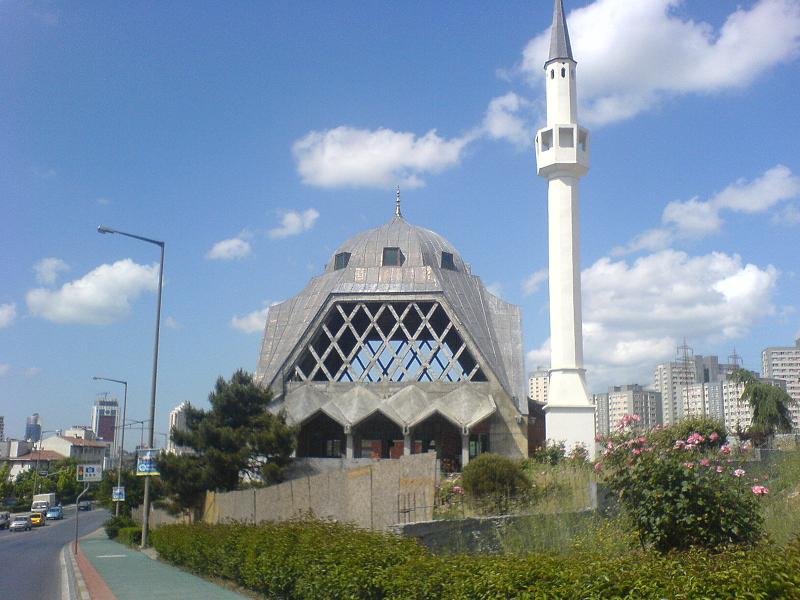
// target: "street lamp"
[[146, 504], [122, 435]]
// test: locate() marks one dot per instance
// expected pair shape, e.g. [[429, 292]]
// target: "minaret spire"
[[397, 212], [562, 157], [559, 35]]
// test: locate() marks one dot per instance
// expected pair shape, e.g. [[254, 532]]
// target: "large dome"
[[418, 247]]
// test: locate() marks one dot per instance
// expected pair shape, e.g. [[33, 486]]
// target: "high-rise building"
[[177, 421], [562, 157], [783, 362], [601, 420], [105, 418], [2, 429], [673, 381], [537, 385], [33, 428], [633, 399]]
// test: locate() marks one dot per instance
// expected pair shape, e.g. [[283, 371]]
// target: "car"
[[20, 523], [38, 519], [55, 513], [85, 505], [5, 520]]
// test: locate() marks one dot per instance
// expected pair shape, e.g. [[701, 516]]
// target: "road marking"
[[64, 577], [112, 556]]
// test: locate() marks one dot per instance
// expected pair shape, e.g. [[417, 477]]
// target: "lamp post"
[[146, 503], [122, 434]]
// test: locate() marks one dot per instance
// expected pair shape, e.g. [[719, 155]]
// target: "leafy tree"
[[6, 485], [770, 406], [236, 440], [134, 490]]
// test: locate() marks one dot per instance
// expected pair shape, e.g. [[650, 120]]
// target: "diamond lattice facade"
[[397, 348]]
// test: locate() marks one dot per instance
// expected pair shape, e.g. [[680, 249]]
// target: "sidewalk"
[[112, 571]]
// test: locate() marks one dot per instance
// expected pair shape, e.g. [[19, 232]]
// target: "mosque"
[[398, 348]]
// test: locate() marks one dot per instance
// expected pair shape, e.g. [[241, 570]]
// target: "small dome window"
[[563, 72], [448, 262], [552, 73], [340, 260], [392, 257]]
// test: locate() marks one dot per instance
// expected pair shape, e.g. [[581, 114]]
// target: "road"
[[29, 560]]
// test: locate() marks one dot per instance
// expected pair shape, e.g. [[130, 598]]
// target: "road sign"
[[118, 494], [146, 463], [89, 473]]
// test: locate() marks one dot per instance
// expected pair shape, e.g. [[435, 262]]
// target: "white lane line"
[[112, 556]]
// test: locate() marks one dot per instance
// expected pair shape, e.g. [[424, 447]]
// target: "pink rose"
[[760, 490], [689, 465], [598, 467], [720, 469], [705, 462], [637, 451], [738, 472], [725, 449], [714, 436]]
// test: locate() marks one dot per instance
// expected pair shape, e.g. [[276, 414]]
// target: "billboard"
[[146, 463]]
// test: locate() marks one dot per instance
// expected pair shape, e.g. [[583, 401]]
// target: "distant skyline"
[[254, 139]]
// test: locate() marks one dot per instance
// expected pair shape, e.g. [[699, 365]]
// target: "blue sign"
[[118, 494], [146, 463]]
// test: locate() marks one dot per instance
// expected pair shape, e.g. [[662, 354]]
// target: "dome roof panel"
[[419, 247]]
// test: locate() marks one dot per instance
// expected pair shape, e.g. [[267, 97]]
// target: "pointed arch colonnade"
[[362, 424]]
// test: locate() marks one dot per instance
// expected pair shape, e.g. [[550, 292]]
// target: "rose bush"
[[681, 486]]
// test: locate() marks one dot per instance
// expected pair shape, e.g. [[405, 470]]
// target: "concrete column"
[[348, 452], [464, 449], [407, 444]]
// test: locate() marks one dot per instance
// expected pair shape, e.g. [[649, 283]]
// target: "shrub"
[[681, 488], [496, 480], [114, 524], [131, 536], [313, 560]]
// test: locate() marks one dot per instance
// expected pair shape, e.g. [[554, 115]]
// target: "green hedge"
[[114, 524], [312, 560], [132, 536]]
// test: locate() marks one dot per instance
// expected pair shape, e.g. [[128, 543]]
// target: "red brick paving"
[[98, 589]]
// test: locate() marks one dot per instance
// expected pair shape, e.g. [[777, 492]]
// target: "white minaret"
[[562, 156]]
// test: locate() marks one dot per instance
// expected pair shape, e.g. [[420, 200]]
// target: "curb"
[[73, 585]]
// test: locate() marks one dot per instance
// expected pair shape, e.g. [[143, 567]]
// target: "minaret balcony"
[[562, 148]]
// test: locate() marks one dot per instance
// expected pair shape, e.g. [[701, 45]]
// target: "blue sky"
[[254, 138]]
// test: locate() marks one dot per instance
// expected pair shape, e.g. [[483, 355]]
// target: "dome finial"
[[397, 212]]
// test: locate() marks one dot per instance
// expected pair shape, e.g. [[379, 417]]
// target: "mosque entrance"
[[437, 434], [320, 437]]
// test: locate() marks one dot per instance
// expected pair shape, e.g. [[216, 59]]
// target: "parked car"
[[21, 523], [5, 520], [38, 519], [85, 505], [54, 513]]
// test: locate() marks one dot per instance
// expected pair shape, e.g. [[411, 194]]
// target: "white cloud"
[[651, 240], [502, 120], [171, 323], [100, 297], [532, 283], [230, 249], [4, 369], [8, 312], [294, 223], [32, 371], [692, 217], [346, 156], [635, 313], [47, 270], [696, 218], [634, 55], [252, 322]]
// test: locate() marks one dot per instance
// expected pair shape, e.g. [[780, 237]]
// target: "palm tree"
[[769, 402]]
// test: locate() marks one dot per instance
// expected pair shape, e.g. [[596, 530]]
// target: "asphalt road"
[[29, 560]]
